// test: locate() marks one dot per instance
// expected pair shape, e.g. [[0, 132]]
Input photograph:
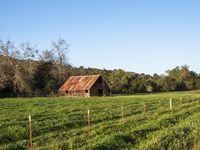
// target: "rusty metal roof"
[[76, 83]]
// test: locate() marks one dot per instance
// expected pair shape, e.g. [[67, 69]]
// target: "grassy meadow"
[[117, 122]]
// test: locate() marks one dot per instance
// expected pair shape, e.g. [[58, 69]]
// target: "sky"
[[143, 36]]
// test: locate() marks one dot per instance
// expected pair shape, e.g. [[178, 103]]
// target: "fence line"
[[145, 108]]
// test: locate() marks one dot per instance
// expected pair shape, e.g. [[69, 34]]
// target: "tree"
[[184, 77], [150, 86], [167, 83], [142, 87], [28, 51], [6, 77], [198, 83], [43, 81], [60, 49], [47, 56], [120, 81], [6, 48]]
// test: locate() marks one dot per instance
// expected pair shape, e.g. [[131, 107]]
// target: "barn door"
[[100, 92]]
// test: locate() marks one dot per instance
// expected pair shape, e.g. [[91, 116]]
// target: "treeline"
[[26, 71]]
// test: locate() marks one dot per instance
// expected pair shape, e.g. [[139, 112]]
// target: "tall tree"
[[61, 49], [6, 48], [28, 51], [47, 56], [167, 83], [7, 73], [43, 81]]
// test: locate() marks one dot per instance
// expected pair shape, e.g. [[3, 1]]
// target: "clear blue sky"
[[147, 36]]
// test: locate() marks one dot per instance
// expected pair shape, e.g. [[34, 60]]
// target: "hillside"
[[27, 78]]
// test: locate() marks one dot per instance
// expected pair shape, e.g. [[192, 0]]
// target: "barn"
[[85, 86]]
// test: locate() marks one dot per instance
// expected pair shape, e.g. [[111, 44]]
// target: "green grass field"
[[61, 123]]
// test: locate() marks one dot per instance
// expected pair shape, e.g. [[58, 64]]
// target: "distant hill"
[[27, 78]]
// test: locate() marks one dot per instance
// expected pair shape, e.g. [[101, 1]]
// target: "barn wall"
[[81, 93], [94, 91], [77, 93]]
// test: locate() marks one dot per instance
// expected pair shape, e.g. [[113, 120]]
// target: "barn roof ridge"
[[86, 75], [84, 82]]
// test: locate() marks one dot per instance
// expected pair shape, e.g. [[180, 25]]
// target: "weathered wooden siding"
[[97, 87], [75, 93]]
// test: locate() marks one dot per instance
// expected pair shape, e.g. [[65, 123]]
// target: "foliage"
[[23, 73]]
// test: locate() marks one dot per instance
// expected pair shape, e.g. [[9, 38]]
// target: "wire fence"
[[102, 117]]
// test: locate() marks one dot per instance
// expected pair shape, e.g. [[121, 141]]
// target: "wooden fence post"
[[88, 120], [170, 104], [30, 131], [160, 106], [122, 113], [181, 102], [144, 108]]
